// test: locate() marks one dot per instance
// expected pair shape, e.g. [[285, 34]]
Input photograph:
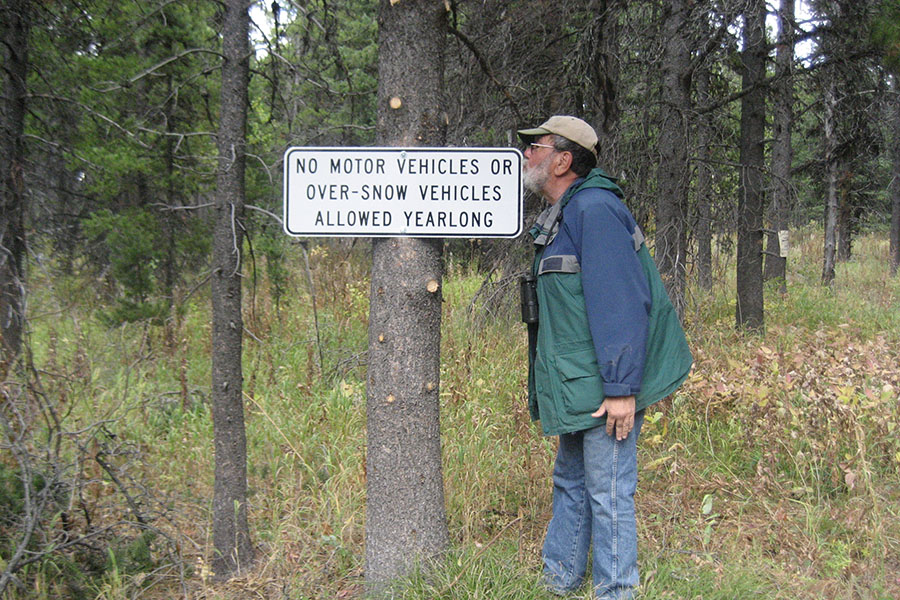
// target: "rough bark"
[[673, 175], [848, 217], [405, 515], [782, 153], [14, 15], [604, 73], [831, 186], [895, 179], [231, 536], [751, 196], [703, 231]]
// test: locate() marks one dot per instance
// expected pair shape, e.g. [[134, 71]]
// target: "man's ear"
[[563, 163]]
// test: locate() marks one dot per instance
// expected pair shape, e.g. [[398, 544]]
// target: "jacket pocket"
[[580, 381]]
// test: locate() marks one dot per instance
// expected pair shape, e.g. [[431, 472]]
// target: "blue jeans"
[[593, 502]]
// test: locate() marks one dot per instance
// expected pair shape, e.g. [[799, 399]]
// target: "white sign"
[[390, 192], [784, 242]]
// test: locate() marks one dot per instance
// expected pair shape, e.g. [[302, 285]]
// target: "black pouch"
[[528, 292]]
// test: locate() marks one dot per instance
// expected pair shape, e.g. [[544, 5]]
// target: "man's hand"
[[619, 411]]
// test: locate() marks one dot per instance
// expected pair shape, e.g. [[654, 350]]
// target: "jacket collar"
[[546, 226]]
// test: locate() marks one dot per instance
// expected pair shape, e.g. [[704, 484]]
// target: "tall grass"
[[773, 473]]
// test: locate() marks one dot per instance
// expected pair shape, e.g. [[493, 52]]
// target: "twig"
[[486, 68], [156, 67], [30, 524], [174, 208], [265, 212], [131, 503], [234, 243], [263, 163]]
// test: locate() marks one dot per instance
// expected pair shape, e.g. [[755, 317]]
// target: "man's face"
[[536, 169]]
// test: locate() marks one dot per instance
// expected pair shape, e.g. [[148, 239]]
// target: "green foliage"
[[12, 494], [135, 249], [886, 33], [333, 47], [133, 244], [126, 94], [272, 245], [12, 501], [130, 556], [139, 248]]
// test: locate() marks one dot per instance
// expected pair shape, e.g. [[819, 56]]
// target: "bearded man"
[[608, 344]]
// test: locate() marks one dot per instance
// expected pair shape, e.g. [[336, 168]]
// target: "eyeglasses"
[[534, 145]]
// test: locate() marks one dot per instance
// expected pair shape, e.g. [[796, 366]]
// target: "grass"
[[772, 473]]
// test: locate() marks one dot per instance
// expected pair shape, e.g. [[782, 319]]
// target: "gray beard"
[[536, 178]]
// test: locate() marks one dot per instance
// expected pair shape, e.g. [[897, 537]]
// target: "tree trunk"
[[231, 535], [169, 220], [673, 172], [895, 179], [846, 218], [15, 19], [703, 231], [405, 515], [605, 75], [831, 186], [751, 196], [782, 152]]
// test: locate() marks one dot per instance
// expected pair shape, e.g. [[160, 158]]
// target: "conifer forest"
[[195, 404]]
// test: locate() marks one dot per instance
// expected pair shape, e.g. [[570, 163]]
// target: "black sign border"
[[519, 207]]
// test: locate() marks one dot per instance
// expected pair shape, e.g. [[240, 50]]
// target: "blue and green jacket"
[[606, 324]]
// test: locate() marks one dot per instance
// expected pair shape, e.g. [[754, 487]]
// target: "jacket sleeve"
[[616, 292]]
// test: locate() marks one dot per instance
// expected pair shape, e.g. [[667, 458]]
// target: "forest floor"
[[774, 472]]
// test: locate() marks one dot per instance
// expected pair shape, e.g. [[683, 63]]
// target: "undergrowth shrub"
[[772, 473]]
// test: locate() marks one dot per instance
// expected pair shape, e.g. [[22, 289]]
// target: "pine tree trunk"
[[895, 180], [703, 230], [846, 219], [673, 172], [605, 55], [751, 196], [231, 535], [831, 188], [782, 153], [405, 515], [14, 16]]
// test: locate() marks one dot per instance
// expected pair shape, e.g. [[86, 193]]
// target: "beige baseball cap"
[[571, 128]]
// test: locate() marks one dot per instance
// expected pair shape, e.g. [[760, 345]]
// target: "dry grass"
[[773, 473]]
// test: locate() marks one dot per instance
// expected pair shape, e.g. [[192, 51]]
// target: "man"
[[608, 344]]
